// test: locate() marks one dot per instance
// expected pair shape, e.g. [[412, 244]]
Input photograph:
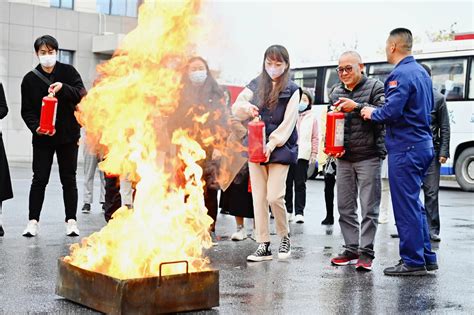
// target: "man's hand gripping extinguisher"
[[257, 141], [49, 107], [334, 132]]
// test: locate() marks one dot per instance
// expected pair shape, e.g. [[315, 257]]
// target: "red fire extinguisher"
[[48, 115], [334, 132], [257, 141]]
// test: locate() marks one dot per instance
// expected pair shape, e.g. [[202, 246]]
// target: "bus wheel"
[[464, 169]]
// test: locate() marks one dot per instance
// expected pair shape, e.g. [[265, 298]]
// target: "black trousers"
[[297, 174], [431, 191], [66, 155], [6, 191], [113, 200], [329, 183], [211, 203]]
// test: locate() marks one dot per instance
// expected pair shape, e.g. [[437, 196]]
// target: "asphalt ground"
[[304, 284]]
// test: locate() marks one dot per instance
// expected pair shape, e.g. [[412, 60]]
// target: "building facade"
[[88, 31]]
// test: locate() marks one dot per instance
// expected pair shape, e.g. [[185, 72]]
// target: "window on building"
[[65, 56], [118, 7], [63, 4]]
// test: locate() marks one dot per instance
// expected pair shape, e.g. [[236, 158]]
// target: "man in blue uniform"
[[406, 114]]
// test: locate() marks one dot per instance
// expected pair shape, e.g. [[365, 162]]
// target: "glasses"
[[340, 70]]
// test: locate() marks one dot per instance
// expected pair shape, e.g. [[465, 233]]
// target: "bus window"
[[306, 79], [449, 76], [471, 81], [330, 79], [380, 71]]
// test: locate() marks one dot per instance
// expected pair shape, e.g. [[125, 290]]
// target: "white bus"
[[452, 66]]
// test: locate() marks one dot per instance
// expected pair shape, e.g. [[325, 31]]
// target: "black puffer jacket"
[[363, 139]]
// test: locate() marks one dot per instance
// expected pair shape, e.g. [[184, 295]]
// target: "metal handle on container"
[[171, 263]]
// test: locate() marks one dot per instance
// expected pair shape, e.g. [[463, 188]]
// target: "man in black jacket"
[[359, 166], [51, 76], [441, 134]]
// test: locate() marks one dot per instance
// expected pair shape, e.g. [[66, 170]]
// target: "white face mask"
[[275, 72], [47, 61], [198, 76]]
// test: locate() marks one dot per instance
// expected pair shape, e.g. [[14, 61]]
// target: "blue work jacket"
[[407, 109]]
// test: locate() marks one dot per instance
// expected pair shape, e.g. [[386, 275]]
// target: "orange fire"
[[125, 119]]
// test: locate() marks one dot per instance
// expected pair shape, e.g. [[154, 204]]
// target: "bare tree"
[[442, 35], [335, 50]]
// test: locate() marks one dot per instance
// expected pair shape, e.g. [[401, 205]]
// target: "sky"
[[238, 32]]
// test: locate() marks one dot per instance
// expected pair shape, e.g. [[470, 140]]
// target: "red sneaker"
[[346, 258], [364, 263]]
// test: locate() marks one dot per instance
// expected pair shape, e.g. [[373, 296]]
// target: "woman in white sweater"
[[275, 98], [308, 139]]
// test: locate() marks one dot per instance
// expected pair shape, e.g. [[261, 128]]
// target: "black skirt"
[[5, 181], [237, 200]]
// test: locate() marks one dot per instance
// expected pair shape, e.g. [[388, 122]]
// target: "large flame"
[[124, 116]]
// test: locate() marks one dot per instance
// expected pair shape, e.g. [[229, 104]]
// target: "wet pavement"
[[304, 284]]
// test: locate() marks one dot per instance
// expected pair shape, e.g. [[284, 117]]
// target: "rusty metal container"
[[154, 295]]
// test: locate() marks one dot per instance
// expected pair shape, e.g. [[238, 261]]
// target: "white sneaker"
[[240, 235], [31, 229], [71, 228], [290, 217], [285, 248], [299, 218]]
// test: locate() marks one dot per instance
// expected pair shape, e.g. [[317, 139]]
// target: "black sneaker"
[[262, 253], [2, 232], [328, 221], [285, 248], [401, 269], [86, 208]]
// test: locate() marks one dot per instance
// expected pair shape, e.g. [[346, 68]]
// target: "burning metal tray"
[[154, 295]]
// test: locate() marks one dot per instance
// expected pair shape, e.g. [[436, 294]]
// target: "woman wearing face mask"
[[307, 127], [200, 95], [275, 98]]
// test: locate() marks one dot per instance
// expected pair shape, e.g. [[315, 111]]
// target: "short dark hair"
[[308, 94], [47, 40], [405, 35], [427, 68]]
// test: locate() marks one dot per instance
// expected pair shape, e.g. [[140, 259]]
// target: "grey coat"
[[440, 125], [363, 139]]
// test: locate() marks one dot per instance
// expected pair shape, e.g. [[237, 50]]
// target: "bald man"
[[406, 114], [359, 166]]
